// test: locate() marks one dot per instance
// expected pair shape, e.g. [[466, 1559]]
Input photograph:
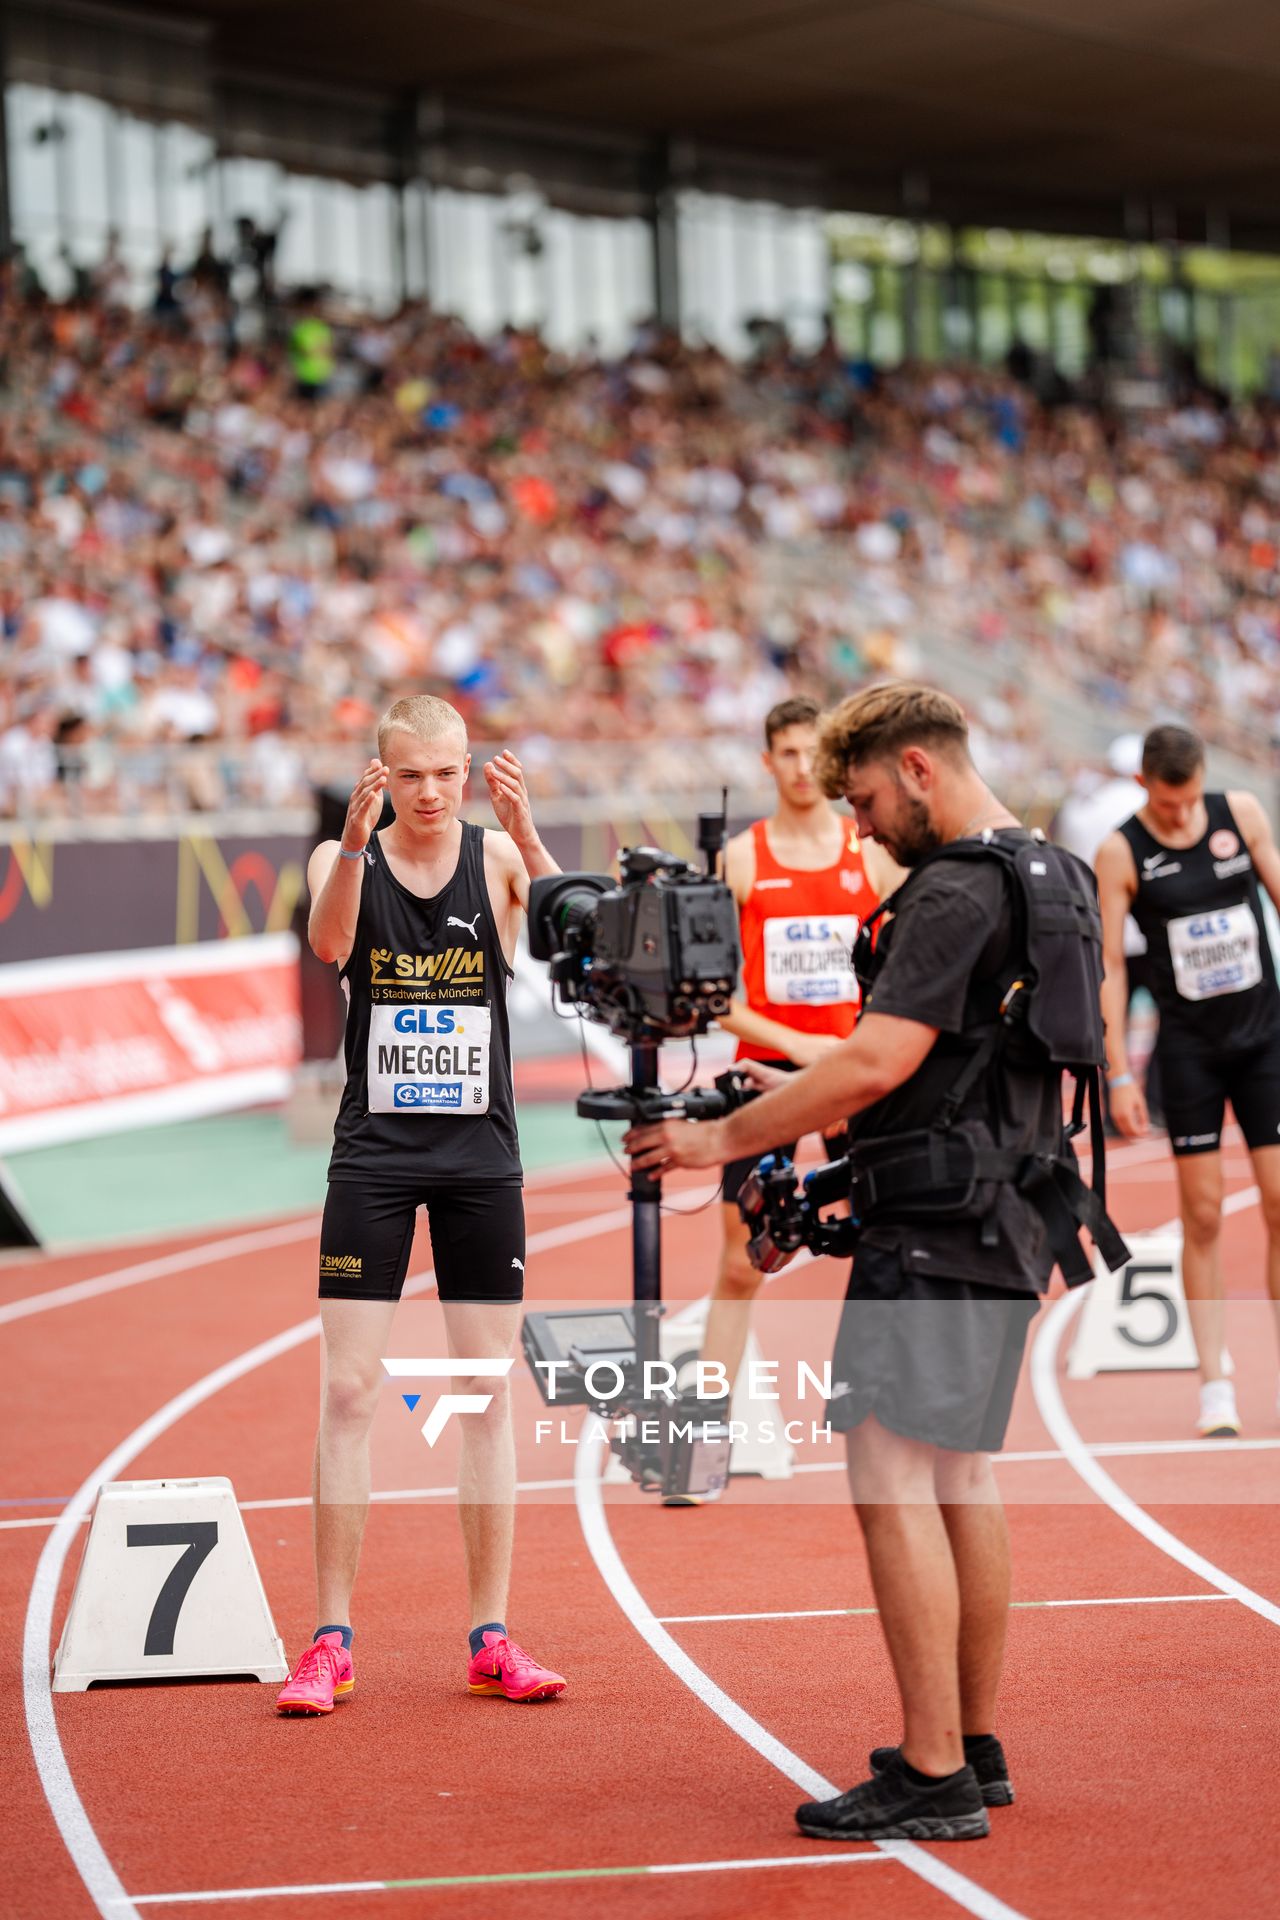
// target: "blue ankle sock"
[[344, 1631], [477, 1634]]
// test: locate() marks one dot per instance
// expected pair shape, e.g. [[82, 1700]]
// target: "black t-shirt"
[[944, 958]]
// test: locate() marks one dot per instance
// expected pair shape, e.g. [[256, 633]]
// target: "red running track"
[[1142, 1734]]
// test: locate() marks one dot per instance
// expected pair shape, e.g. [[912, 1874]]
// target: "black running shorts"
[[1196, 1085], [933, 1359], [477, 1241]]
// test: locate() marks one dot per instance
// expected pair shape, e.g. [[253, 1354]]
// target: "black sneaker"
[[891, 1807], [989, 1765]]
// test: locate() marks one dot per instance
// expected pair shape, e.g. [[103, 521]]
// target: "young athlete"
[[804, 884], [1187, 865], [421, 920]]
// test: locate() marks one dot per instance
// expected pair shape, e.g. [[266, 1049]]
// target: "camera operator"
[[939, 1301]]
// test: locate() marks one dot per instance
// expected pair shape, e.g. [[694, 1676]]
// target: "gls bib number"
[[1216, 953], [429, 1059], [808, 960]]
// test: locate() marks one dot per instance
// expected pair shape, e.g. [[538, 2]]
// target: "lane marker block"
[[1136, 1318], [167, 1588]]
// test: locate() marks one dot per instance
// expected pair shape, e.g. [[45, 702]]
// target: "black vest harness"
[[1042, 1016]]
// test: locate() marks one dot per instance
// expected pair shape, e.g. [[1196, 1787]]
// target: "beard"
[[914, 834]]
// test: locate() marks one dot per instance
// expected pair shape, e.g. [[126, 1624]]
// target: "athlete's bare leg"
[[487, 1466], [355, 1339], [1266, 1171], [1200, 1204], [737, 1284]]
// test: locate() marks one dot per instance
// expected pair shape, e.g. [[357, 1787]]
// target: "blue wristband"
[[1120, 1080], [357, 855]]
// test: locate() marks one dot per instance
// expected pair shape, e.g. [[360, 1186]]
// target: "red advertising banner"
[[132, 1039]]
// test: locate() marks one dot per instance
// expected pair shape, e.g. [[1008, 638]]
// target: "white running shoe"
[[1218, 1417]]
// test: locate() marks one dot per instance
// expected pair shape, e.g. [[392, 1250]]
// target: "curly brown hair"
[[879, 722]]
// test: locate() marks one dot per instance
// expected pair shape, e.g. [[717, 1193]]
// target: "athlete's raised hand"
[[364, 809], [504, 777]]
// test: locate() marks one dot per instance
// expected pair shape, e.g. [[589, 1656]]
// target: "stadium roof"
[[1078, 114]]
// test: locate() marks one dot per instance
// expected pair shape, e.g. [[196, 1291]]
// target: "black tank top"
[[428, 1098], [1212, 972]]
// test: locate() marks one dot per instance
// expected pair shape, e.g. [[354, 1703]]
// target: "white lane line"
[[460, 1881], [131, 1903], [1100, 1449], [206, 1255], [1142, 1449], [595, 1529], [848, 1613], [73, 1823], [1062, 1430], [1103, 1450], [392, 1497]]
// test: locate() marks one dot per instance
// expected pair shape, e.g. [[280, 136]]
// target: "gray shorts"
[[933, 1359]]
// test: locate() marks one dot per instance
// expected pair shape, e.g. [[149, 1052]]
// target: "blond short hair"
[[879, 722], [422, 715]]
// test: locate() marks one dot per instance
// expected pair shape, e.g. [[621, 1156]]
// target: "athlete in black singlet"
[[1188, 866], [421, 919]]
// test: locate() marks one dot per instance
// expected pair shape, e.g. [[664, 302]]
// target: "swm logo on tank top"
[[460, 968]]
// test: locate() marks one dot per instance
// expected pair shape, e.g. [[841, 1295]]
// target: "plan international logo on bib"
[[434, 1095]]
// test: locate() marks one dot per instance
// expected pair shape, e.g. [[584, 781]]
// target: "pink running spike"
[[503, 1667], [323, 1673]]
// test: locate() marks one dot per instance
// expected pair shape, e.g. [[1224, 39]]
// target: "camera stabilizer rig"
[[653, 958], [782, 1214]]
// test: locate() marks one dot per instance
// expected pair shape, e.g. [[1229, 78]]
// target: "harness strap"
[[1086, 1205], [1051, 1183], [1042, 1185], [984, 1055]]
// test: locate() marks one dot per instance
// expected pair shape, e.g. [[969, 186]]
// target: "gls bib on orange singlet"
[[798, 927]]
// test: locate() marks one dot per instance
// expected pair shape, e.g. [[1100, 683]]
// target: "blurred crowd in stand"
[[231, 530]]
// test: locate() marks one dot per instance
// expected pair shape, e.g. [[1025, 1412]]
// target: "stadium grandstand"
[[615, 373], [313, 394]]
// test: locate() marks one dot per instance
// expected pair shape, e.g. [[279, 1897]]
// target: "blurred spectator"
[[165, 303], [311, 355], [111, 276]]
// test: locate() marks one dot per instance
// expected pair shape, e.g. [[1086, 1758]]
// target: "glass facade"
[[744, 260], [80, 169], [902, 291]]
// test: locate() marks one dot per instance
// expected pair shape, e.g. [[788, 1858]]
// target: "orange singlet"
[[798, 927]]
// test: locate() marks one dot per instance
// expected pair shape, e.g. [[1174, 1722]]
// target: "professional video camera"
[[653, 957], [781, 1215]]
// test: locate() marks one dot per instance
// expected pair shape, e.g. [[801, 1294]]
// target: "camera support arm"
[[642, 1103]]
